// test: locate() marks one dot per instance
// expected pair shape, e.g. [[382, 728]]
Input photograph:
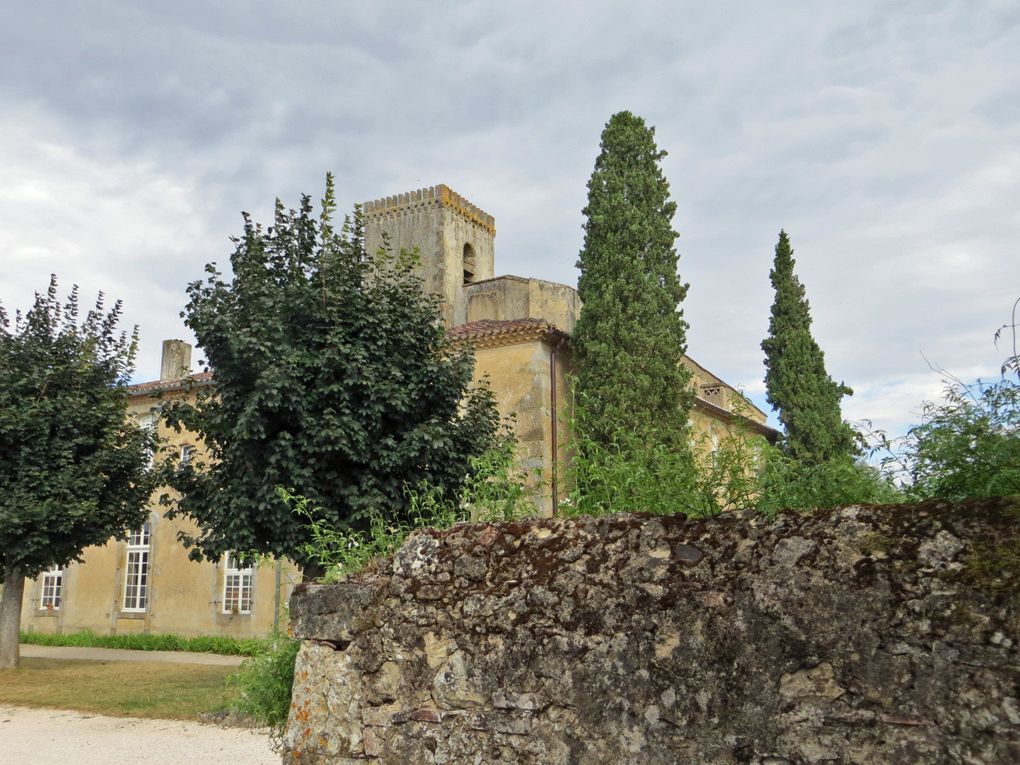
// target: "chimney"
[[176, 360]]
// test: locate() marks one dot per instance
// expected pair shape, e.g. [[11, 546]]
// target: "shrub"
[[787, 483], [967, 445], [265, 681], [493, 490], [219, 644], [630, 476]]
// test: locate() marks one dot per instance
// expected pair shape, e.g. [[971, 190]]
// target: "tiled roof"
[[490, 332], [725, 414], [160, 386], [486, 333]]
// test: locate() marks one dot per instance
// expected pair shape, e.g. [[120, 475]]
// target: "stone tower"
[[454, 238]]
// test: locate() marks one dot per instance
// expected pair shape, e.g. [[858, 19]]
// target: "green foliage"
[[739, 470], [968, 445], [219, 644], [699, 482], [339, 552], [333, 377], [266, 680], [494, 490], [795, 378], [743, 472], [630, 476], [788, 483], [729, 472], [632, 392], [74, 470]]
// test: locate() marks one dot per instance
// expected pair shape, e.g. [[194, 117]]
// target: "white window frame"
[[150, 421], [52, 590], [187, 453], [238, 585], [137, 569]]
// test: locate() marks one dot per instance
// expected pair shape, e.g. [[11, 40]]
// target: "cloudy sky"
[[883, 136]]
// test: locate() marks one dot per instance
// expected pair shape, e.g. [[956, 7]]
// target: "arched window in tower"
[[469, 264]]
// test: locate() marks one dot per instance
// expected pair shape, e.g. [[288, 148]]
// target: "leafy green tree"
[[333, 378], [968, 445], [796, 382], [74, 470], [632, 392]]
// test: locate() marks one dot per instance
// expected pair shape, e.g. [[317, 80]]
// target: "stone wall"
[[859, 635]]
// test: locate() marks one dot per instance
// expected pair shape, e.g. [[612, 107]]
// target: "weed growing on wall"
[[496, 490], [628, 475], [493, 490], [729, 473], [740, 470]]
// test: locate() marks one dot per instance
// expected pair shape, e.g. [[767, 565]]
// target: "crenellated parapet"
[[440, 195]]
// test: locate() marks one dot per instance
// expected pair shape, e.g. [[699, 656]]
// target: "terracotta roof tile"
[[489, 332], [158, 386]]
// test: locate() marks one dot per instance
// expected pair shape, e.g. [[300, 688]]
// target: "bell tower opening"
[[469, 263]]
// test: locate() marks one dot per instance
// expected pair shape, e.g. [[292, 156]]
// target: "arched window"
[[469, 264]]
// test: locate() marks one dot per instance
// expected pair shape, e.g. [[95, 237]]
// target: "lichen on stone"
[[854, 635]]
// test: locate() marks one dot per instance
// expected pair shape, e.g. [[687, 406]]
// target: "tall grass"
[[218, 644]]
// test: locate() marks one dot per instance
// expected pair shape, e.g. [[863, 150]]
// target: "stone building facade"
[[519, 328], [145, 581]]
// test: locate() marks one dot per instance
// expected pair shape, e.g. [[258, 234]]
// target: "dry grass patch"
[[135, 689]]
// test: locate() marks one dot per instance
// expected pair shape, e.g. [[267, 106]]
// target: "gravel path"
[[62, 737]]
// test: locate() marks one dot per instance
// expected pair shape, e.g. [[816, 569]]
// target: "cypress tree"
[[796, 382], [630, 384]]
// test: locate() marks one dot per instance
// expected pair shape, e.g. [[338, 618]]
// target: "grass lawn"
[[135, 689]]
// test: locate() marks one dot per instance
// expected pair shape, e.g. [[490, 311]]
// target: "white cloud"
[[883, 138], [104, 223]]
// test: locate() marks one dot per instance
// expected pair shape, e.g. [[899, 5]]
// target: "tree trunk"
[[10, 617]]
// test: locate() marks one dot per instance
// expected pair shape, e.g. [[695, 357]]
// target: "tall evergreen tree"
[[630, 384], [796, 382]]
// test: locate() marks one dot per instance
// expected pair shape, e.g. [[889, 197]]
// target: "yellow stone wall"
[[513, 297], [522, 375]]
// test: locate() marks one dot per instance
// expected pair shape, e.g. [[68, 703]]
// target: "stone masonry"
[[857, 635]]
